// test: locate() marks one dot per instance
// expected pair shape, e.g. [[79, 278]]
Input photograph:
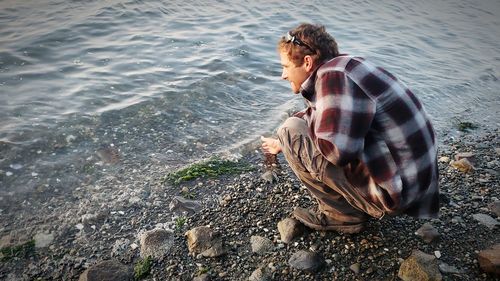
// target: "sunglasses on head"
[[289, 38]]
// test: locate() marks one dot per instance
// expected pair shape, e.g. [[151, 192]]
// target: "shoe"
[[322, 222]]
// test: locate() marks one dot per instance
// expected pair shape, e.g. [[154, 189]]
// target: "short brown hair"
[[322, 45]]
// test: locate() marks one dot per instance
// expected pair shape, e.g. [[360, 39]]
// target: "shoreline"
[[105, 223]]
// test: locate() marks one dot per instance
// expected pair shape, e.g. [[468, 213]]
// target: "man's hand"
[[270, 145]]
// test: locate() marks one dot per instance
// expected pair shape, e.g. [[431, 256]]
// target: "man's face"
[[296, 75]]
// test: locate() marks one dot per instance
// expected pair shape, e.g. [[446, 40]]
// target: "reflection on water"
[[84, 81]]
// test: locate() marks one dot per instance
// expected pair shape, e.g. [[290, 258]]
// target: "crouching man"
[[364, 146]]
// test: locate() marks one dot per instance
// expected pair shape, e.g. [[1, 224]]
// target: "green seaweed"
[[142, 268], [211, 168], [180, 222], [466, 126], [20, 251], [188, 195]]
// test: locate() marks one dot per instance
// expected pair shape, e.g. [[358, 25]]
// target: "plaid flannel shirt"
[[363, 119]]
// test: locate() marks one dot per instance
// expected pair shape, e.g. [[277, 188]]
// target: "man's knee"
[[292, 126]]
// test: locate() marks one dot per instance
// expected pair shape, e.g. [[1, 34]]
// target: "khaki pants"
[[336, 197]]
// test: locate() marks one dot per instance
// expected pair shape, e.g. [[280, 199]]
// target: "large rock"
[[260, 274], [270, 176], [489, 260], [462, 165], [486, 220], [449, 269], [110, 270], [427, 232], [261, 245], [203, 240], [306, 260], [43, 239], [156, 243], [183, 206], [495, 207], [290, 229], [419, 266]]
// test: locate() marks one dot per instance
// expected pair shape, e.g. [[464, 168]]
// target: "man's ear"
[[308, 63]]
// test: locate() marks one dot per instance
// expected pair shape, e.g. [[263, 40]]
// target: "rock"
[[202, 277], [462, 165], [270, 176], [355, 268], [448, 269], [109, 155], [495, 207], [181, 206], [224, 201], [260, 274], [6, 241], [437, 254], [203, 240], [306, 260], [43, 240], [465, 155], [427, 232], [290, 229], [486, 220], [110, 270], [94, 218], [419, 266], [261, 245], [155, 243], [489, 260], [444, 159], [120, 246]]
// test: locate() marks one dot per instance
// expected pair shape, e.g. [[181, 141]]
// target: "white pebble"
[[437, 254], [16, 166], [121, 212], [34, 174], [8, 173], [79, 226], [134, 246]]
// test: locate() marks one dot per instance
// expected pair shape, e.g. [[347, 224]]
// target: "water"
[[170, 82]]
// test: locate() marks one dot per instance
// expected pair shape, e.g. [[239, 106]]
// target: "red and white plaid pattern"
[[363, 119]]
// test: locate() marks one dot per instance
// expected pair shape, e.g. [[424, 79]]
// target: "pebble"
[[260, 274], [427, 232], [205, 242], [290, 229], [16, 166], [495, 207], [306, 260], [43, 239], [155, 243], [109, 270], [489, 260], [437, 254], [261, 245], [448, 269], [355, 268], [486, 220], [463, 165], [419, 266]]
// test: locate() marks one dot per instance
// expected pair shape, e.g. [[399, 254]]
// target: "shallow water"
[[174, 82]]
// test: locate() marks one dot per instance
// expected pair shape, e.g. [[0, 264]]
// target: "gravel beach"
[[108, 220]]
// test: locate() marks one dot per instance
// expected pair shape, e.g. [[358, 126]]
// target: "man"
[[364, 146]]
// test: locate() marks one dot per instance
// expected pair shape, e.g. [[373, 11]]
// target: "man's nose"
[[284, 75]]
